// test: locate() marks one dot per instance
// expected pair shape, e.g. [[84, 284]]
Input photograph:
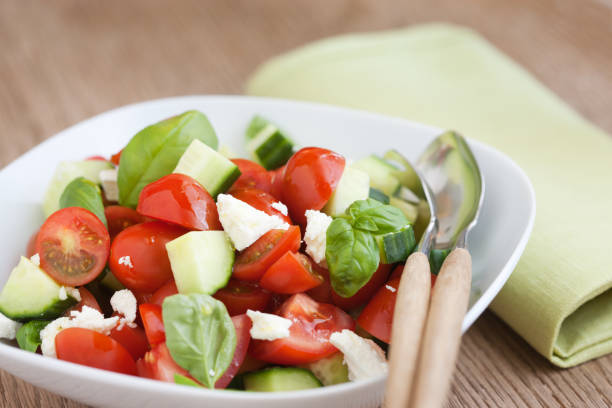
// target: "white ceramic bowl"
[[496, 243]]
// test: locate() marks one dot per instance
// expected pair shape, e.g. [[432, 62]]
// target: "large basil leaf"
[[352, 257], [387, 218], [200, 335], [28, 335], [86, 194], [154, 152]]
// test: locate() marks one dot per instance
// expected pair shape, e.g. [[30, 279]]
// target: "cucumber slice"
[[66, 172], [381, 174], [215, 172], [201, 261], [410, 210], [280, 379], [330, 370], [30, 294], [396, 246], [378, 195], [353, 185], [270, 147], [84, 193]]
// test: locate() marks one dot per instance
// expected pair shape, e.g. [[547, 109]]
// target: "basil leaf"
[[352, 257], [386, 217], [200, 335], [28, 335], [182, 380], [155, 151], [86, 194]]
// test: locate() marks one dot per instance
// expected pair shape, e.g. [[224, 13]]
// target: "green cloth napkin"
[[559, 296]]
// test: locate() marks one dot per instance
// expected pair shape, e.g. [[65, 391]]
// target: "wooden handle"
[[408, 323], [442, 336]]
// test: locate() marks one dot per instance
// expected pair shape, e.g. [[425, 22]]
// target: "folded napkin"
[[559, 297]]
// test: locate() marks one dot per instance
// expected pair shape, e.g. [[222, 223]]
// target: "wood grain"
[[62, 61]]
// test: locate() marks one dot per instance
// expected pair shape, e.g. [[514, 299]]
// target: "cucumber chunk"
[[380, 172], [66, 172], [86, 194], [396, 246], [270, 148], [378, 195], [212, 170], [201, 261], [30, 294], [330, 370], [353, 185], [280, 379], [410, 210]]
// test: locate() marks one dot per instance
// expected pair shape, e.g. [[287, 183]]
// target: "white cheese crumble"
[[282, 208], [316, 234], [88, 318], [124, 302], [108, 178], [35, 259], [243, 223], [390, 288], [8, 328], [267, 326], [363, 357], [66, 291], [125, 260]]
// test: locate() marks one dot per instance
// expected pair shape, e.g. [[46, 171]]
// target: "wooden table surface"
[[65, 60]]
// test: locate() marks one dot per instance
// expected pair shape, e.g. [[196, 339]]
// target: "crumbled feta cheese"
[[243, 223], [316, 234], [108, 178], [87, 318], [390, 288], [8, 327], [280, 207], [267, 326], [35, 259], [124, 302], [125, 260], [362, 356], [66, 291]]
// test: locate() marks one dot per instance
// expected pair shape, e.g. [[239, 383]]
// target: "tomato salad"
[[178, 262]]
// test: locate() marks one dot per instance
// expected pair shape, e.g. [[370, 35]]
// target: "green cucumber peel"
[[200, 335], [86, 194], [155, 151]]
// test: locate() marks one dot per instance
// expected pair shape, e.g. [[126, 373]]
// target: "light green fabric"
[[450, 77]]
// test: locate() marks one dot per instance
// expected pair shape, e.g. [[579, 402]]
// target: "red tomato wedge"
[[138, 256], [377, 317], [253, 262], [73, 245], [133, 339], [87, 299], [239, 296], [292, 273], [364, 294], [153, 322], [242, 324], [276, 179], [163, 292], [252, 176], [90, 348], [181, 200], [311, 177], [308, 341], [260, 200], [119, 218]]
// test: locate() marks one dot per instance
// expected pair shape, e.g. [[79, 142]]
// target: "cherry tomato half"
[[377, 317], [90, 348], [239, 296], [364, 294], [260, 200], [308, 341], [292, 273], [153, 322], [138, 256], [181, 200], [311, 177], [73, 245], [119, 218], [168, 289], [253, 262], [133, 339], [252, 176]]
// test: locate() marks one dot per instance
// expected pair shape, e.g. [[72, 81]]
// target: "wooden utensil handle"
[[442, 336], [408, 323]]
